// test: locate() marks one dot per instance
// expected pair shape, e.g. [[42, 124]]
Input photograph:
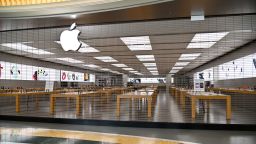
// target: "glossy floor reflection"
[[53, 136], [195, 136], [165, 108]]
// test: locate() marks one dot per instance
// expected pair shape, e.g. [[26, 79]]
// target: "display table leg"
[[52, 103], [78, 100], [149, 107], [17, 103], [37, 103], [193, 108], [228, 108], [118, 106]]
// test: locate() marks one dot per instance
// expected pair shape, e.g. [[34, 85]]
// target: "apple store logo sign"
[[69, 39]]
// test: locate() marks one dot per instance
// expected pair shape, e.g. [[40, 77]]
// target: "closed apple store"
[[145, 71]]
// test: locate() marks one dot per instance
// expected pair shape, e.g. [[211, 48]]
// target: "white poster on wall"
[[15, 71], [2, 70], [70, 76], [147, 80], [92, 78], [199, 85], [49, 86]]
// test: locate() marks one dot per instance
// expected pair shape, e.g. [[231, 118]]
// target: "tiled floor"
[[165, 109]]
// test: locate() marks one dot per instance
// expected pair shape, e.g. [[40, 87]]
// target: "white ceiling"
[[169, 39]]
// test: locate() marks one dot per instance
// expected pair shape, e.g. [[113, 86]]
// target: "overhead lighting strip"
[[191, 56], [206, 40], [106, 59], [137, 43], [26, 48], [146, 57], [69, 60]]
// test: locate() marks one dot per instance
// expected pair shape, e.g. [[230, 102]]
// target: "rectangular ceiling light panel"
[[208, 37], [201, 45], [137, 43], [128, 69], [91, 66], [69, 60], [206, 40], [138, 73], [181, 63], [25, 48], [152, 68], [139, 47], [174, 71], [155, 73], [146, 57], [177, 68], [106, 59], [149, 64], [119, 65], [116, 72], [87, 49], [105, 69], [189, 56]]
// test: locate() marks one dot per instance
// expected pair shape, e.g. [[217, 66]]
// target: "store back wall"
[[29, 61], [250, 82]]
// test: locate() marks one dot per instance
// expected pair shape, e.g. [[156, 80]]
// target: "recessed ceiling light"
[[201, 45], [181, 63], [206, 40], [137, 43], [85, 48], [177, 68], [70, 60], [154, 71], [136, 40], [91, 65], [189, 56], [133, 71], [146, 57], [120, 65], [73, 16], [106, 59], [149, 64], [174, 71], [139, 47], [208, 37], [152, 68], [138, 73], [105, 69], [26, 48], [128, 69], [88, 50]]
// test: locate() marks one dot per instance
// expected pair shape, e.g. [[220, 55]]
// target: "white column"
[[125, 80], [168, 81]]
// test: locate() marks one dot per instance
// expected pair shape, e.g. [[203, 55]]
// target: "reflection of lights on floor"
[[72, 136]]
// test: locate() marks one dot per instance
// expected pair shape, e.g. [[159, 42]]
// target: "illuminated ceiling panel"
[[27, 2]]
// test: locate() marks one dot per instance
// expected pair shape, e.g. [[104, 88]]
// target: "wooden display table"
[[135, 95], [17, 96], [75, 95], [194, 96], [239, 91]]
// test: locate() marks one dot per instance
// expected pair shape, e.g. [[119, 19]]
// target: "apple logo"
[[69, 39]]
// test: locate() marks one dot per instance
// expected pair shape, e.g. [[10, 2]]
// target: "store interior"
[[139, 68]]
